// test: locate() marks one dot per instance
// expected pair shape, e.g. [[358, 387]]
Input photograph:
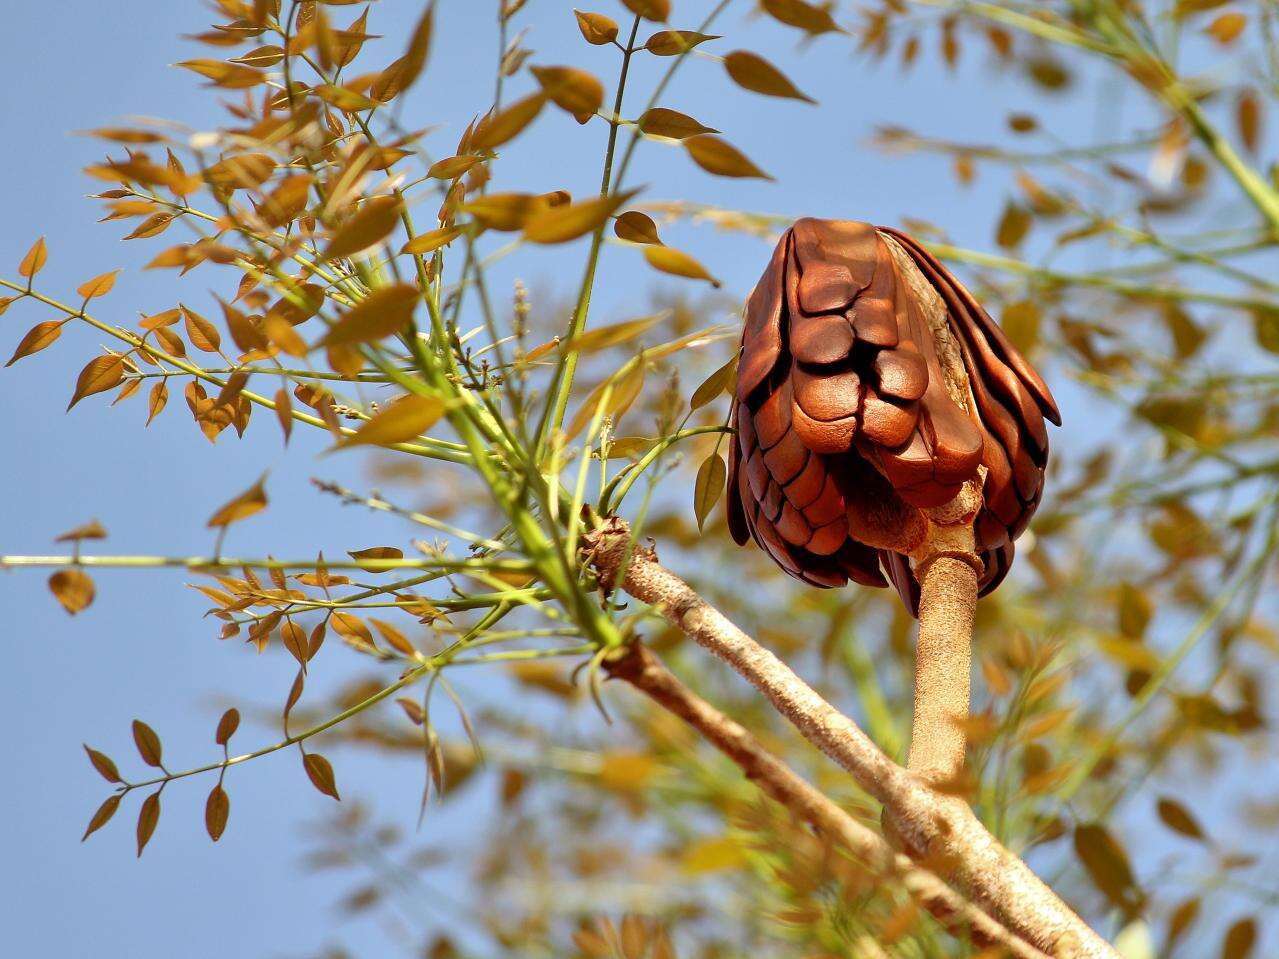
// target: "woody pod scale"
[[855, 420]]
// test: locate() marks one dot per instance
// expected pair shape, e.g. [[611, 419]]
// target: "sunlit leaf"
[[752, 72], [202, 334], [658, 10], [100, 285], [369, 226], [560, 224], [36, 339], [407, 418], [670, 43], [714, 385], [813, 20], [596, 28], [499, 128], [383, 312], [252, 501], [605, 336], [571, 89], [677, 263], [34, 260], [636, 227], [717, 156], [1227, 27], [661, 122], [430, 242]]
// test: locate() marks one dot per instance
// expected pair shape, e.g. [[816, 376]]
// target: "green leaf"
[[711, 477]]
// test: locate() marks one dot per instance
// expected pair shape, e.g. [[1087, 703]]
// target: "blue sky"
[[142, 649]]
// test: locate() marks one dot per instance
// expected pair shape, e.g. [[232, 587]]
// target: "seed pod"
[[851, 417]]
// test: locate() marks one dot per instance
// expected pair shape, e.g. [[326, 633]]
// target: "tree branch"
[[642, 669], [938, 828]]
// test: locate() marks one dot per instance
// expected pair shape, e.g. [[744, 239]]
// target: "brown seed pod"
[[848, 427]]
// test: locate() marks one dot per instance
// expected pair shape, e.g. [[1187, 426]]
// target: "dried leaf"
[[560, 224], [596, 28], [369, 226], [407, 418], [227, 726], [661, 122], [677, 263], [636, 227], [148, 817], [73, 588], [103, 764], [34, 260], [148, 743], [99, 375], [384, 311], [252, 500], [320, 772], [671, 43], [721, 158], [216, 810], [752, 72], [100, 285], [571, 89], [603, 337], [37, 338], [103, 815], [500, 128]]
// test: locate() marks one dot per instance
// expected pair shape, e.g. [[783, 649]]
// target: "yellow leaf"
[[407, 418], [232, 76], [101, 374], [1227, 27], [430, 242], [612, 398], [251, 501], [720, 157], [202, 334], [506, 211], [394, 638], [573, 90], [671, 43], [73, 588], [605, 336], [677, 263], [450, 168], [596, 28], [399, 76], [712, 855], [90, 530], [752, 72], [384, 311], [281, 332], [658, 10], [636, 227], [661, 122], [38, 337], [370, 225], [811, 19], [35, 259], [499, 128], [99, 286], [563, 223], [344, 98], [284, 413]]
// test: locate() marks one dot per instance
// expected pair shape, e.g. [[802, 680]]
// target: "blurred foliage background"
[[1105, 182]]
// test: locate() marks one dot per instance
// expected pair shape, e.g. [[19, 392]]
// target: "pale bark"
[[938, 829], [638, 666]]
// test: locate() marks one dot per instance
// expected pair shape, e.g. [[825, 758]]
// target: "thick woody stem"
[[946, 567], [939, 828], [638, 666]]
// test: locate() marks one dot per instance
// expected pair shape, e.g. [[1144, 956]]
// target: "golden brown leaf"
[[202, 334], [295, 640], [671, 43], [370, 225], [721, 158], [601, 338], [100, 374], [596, 28], [394, 638], [612, 398], [1227, 27], [560, 224], [499, 128], [148, 817], [813, 20], [657, 10], [281, 332], [752, 72], [383, 312], [715, 384], [104, 765], [90, 530], [36, 339], [99, 286], [216, 810], [677, 263], [227, 726], [320, 772], [103, 815], [430, 242], [35, 259], [148, 743], [506, 211], [252, 500], [636, 227], [232, 76], [572, 89], [284, 413], [450, 168], [711, 477], [661, 122]]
